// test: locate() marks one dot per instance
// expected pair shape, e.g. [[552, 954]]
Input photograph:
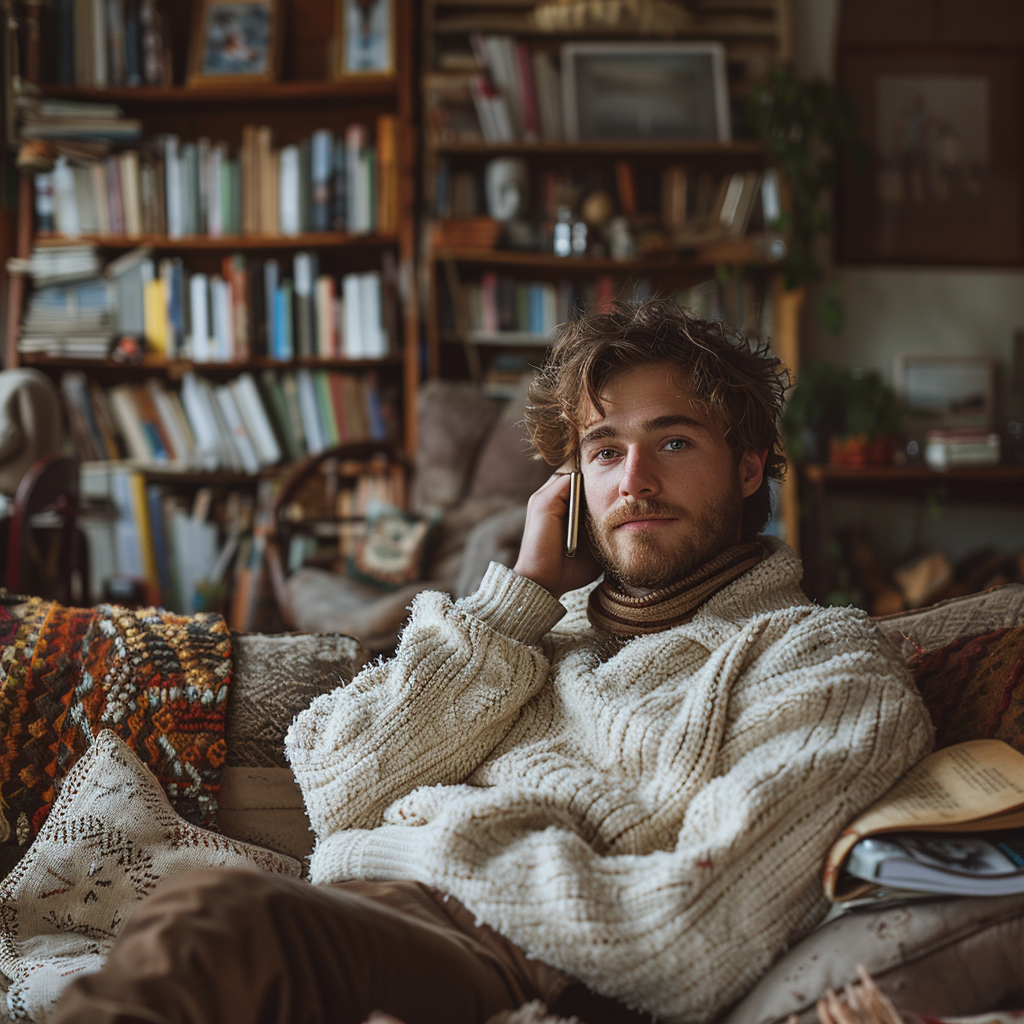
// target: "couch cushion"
[[109, 840], [453, 417], [936, 956], [973, 687], [276, 677], [973, 615], [264, 806], [505, 465]]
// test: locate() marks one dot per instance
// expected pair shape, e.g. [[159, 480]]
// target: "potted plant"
[[802, 123], [847, 417]]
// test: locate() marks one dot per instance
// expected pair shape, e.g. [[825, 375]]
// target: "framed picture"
[[235, 41], [364, 38], [947, 392], [628, 91], [942, 182]]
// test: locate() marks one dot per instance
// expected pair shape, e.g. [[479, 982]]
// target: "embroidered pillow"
[[973, 687], [392, 550], [109, 840]]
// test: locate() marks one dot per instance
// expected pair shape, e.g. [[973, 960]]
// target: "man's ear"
[[751, 471]]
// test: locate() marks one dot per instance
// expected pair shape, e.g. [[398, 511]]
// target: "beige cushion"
[[937, 956], [110, 840], [973, 615], [274, 677], [453, 417], [505, 465], [264, 806]]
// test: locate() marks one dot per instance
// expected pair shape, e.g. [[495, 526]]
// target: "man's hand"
[[542, 553]]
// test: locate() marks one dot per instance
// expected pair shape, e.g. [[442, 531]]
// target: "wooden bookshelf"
[[743, 149], [1000, 486], [460, 315], [311, 240], [271, 92], [305, 99]]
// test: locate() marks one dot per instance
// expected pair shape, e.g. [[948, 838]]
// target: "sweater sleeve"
[[433, 712], [684, 925]]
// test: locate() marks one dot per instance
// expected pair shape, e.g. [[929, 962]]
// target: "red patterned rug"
[[160, 681]]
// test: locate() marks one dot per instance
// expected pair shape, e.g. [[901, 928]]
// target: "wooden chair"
[[46, 549], [309, 504]]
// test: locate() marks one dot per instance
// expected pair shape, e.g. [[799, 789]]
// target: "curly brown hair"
[[741, 384]]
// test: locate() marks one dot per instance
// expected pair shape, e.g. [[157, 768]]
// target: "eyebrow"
[[606, 431]]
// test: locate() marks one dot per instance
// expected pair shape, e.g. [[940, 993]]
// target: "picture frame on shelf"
[[947, 392], [364, 38], [235, 42], [619, 92], [942, 181]]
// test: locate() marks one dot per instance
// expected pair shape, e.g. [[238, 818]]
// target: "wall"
[[903, 310]]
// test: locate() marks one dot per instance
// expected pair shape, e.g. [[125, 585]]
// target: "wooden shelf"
[[917, 474], [739, 251], [523, 25], [962, 483], [309, 240], [272, 92], [683, 148], [500, 339], [177, 367]]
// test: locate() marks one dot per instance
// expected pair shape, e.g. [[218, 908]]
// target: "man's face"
[[664, 492]]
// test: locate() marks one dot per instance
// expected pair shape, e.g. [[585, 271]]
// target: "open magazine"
[[952, 863], [952, 820]]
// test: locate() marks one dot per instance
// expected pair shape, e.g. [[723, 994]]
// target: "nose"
[[639, 478]]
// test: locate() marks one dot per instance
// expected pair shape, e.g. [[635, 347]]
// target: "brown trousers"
[[240, 947]]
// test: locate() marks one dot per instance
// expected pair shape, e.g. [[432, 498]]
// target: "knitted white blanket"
[[649, 817]]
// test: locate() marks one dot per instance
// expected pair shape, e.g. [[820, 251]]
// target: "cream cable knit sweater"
[[649, 817]]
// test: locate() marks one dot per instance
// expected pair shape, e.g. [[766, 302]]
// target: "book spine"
[[387, 174], [322, 160]]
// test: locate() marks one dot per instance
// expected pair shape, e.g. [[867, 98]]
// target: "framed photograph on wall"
[[947, 392], [942, 183], [235, 41], [364, 38], [633, 91]]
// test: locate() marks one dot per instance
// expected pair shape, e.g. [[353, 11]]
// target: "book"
[[969, 788], [290, 212], [257, 422], [321, 170], [271, 273], [947, 863], [548, 88], [304, 267], [387, 174], [201, 340], [309, 409], [326, 322], [288, 433]]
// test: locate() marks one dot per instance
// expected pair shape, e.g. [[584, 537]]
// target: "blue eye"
[[677, 444]]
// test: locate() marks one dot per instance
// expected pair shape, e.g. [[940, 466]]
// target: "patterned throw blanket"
[[160, 681]]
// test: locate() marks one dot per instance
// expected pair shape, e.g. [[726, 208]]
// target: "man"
[[614, 798]]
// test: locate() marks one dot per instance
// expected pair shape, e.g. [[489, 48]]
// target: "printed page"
[[967, 787]]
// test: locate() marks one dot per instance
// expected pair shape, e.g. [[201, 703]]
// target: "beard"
[[645, 560]]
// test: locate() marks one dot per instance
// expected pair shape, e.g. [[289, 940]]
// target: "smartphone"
[[573, 523]]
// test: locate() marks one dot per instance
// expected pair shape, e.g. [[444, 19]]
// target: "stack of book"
[[243, 425], [954, 824], [104, 43], [251, 308], [502, 92], [181, 188], [70, 312], [70, 119]]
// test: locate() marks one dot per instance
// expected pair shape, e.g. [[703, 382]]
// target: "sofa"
[[938, 956]]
